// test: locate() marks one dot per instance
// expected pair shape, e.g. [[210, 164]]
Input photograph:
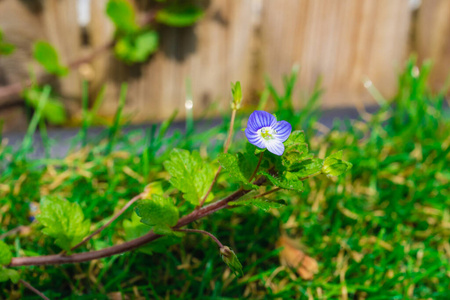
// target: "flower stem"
[[257, 166], [203, 232], [33, 289], [225, 150]]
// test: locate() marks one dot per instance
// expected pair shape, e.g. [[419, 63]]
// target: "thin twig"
[[133, 244], [203, 232], [33, 289], [11, 232], [131, 202], [267, 193], [225, 150], [257, 167]]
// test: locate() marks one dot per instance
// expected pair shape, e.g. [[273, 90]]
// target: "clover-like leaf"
[[63, 221], [230, 258], [190, 174], [232, 164], [5, 254], [46, 55], [123, 15], [334, 165], [179, 15]]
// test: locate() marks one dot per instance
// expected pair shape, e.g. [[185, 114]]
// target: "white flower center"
[[267, 133]]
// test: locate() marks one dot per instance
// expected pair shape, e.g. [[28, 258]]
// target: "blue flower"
[[264, 131]]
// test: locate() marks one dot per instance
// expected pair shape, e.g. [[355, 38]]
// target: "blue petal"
[[254, 138], [259, 119], [283, 130], [276, 147]]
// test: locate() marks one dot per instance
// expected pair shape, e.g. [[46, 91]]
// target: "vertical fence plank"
[[433, 38], [60, 21], [344, 41], [210, 54]]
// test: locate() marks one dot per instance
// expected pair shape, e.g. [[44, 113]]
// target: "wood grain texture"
[[343, 41], [210, 55], [433, 38]]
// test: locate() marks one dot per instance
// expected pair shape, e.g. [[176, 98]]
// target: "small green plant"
[[165, 210]]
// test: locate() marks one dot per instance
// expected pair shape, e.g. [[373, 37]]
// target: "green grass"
[[381, 231]]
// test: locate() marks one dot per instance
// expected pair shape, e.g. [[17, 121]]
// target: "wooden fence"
[[343, 41]]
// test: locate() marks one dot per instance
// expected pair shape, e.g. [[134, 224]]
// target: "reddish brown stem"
[[204, 233], [131, 202], [33, 289], [133, 244], [257, 167]]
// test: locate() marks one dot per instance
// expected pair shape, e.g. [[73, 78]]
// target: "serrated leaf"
[[157, 211], [190, 174], [294, 155], [231, 164], [63, 221], [9, 274], [261, 203], [286, 181], [231, 259], [137, 48], [308, 168], [296, 137], [334, 165], [5, 254], [134, 229], [123, 15], [179, 16], [46, 55]]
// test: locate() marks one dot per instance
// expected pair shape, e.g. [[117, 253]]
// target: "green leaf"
[[46, 55], [158, 211], [54, 111], [179, 16], [231, 163], [287, 181], [5, 48], [9, 274], [230, 258], [296, 137], [308, 168], [261, 203], [123, 15], [134, 229], [335, 166], [63, 221], [237, 95], [190, 174], [5, 254], [137, 48]]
